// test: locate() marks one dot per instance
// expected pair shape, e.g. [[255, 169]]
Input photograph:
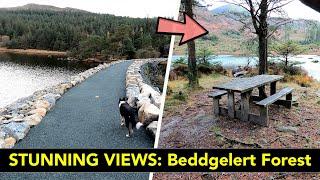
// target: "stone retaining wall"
[[17, 119], [143, 96]]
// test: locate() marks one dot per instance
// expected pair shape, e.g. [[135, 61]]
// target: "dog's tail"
[[138, 125]]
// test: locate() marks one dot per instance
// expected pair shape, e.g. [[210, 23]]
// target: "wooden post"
[[273, 88], [216, 111], [245, 106], [264, 115], [262, 92], [289, 98], [231, 104]]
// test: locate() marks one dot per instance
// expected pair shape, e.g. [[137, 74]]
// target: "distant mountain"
[[227, 35], [229, 8], [38, 7]]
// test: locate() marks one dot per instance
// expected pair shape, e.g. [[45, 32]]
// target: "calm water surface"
[[20, 76], [229, 61]]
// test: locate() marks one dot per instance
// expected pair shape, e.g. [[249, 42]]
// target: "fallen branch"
[[235, 141]]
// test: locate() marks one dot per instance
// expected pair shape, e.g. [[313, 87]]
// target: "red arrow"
[[190, 29]]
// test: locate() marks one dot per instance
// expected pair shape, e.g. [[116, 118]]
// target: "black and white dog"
[[128, 116]]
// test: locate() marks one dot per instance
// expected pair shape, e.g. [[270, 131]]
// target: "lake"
[[229, 61], [21, 76]]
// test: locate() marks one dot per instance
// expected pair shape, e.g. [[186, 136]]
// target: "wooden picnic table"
[[245, 86]]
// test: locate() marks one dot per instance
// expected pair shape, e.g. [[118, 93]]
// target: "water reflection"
[[20, 76]]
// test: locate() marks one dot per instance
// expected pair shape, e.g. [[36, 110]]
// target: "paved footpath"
[[80, 120]]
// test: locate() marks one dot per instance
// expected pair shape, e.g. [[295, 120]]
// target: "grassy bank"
[[34, 52]]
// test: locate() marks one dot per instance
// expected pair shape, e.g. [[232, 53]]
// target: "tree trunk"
[[263, 43], [192, 61], [263, 54]]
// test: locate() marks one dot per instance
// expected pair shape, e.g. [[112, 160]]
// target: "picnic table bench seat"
[[216, 96], [271, 99], [264, 104], [217, 93]]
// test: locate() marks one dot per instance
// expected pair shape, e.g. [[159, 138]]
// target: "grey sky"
[[295, 10], [133, 8]]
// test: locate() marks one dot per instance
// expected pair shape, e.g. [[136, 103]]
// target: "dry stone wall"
[[143, 96]]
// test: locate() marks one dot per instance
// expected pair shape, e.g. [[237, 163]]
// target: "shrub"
[[147, 53], [293, 70], [304, 80], [181, 70], [181, 60], [180, 96], [205, 69]]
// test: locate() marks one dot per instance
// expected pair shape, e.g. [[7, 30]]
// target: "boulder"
[[2, 143], [15, 119], [7, 116], [147, 90], [142, 100], [132, 95], [152, 128], [16, 130], [42, 104], [33, 120], [9, 142], [51, 98], [156, 100], [40, 111], [290, 129], [147, 113]]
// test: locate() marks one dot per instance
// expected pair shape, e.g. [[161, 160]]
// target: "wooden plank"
[[271, 99], [245, 105], [289, 99], [217, 93], [273, 88], [281, 102], [252, 117], [247, 84], [264, 116], [216, 110], [231, 104]]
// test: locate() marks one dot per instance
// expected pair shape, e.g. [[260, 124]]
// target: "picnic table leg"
[[273, 88], [245, 104], [231, 104], [289, 98], [216, 110], [262, 92]]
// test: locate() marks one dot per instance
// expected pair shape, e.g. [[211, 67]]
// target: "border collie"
[[127, 114]]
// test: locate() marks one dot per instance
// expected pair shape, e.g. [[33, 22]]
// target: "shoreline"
[[33, 52]]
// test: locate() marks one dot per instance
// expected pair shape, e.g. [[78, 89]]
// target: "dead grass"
[[36, 52], [189, 124]]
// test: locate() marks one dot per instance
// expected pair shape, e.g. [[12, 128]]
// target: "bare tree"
[[260, 12], [260, 24]]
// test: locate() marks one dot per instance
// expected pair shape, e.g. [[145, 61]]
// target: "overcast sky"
[[133, 8], [295, 10], [148, 8]]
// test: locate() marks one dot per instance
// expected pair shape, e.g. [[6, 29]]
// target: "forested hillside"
[[82, 33]]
